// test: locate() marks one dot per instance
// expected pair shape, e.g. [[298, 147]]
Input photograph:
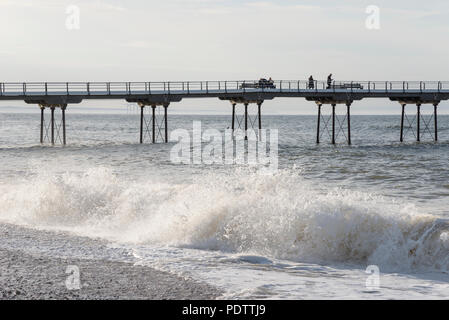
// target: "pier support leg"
[[52, 125], [246, 121], [153, 134], [333, 123], [435, 117], [418, 123], [63, 124], [142, 108], [348, 105], [318, 124], [402, 123], [166, 122], [233, 118], [259, 116], [42, 124]]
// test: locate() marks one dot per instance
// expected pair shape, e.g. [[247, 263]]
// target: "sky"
[[174, 40]]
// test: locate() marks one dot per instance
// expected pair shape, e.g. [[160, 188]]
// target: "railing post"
[[67, 88], [88, 88], [24, 88], [46, 89], [226, 87]]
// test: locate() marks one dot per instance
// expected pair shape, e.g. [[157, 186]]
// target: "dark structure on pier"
[[157, 95]]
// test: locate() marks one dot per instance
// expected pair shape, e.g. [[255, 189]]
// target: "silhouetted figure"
[[329, 81], [311, 83]]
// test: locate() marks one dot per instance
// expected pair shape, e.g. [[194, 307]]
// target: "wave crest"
[[279, 215]]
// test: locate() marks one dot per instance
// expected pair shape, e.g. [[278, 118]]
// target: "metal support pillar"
[[418, 123], [318, 124], [348, 105], [63, 124], [233, 118], [52, 125], [435, 117], [153, 136], [246, 121], [259, 116], [42, 124], [402, 122], [142, 108], [166, 122], [333, 123]]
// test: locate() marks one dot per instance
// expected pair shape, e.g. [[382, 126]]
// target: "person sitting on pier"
[[329, 81], [311, 82]]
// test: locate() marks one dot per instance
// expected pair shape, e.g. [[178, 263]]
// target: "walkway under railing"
[[10, 89]]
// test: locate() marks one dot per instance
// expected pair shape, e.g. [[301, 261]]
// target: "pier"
[[58, 96]]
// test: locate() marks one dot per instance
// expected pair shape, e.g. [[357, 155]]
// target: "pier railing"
[[214, 87]]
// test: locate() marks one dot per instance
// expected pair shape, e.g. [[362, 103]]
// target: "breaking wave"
[[277, 215]]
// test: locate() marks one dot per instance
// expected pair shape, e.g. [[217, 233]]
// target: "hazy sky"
[[146, 40]]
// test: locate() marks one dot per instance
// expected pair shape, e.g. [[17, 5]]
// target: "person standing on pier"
[[311, 82], [329, 81]]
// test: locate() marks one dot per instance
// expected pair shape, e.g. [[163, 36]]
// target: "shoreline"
[[35, 276]]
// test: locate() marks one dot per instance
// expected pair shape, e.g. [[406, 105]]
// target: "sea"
[[365, 221]]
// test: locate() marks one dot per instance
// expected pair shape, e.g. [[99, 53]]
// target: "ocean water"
[[308, 230]]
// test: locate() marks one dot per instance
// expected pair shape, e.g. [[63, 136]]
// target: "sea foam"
[[279, 215]]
